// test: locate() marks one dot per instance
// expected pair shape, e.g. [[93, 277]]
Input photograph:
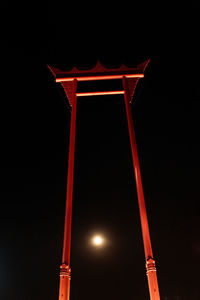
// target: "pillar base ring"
[[150, 266], [65, 270]]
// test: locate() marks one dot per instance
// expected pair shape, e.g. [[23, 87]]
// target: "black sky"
[[34, 147]]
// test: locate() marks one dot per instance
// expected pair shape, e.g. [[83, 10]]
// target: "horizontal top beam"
[[99, 77]]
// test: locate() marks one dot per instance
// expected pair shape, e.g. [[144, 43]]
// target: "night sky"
[[35, 119]]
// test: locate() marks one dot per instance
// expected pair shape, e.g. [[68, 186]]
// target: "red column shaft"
[[65, 271], [150, 263]]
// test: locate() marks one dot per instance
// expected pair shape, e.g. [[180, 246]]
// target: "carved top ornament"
[[69, 78], [98, 71]]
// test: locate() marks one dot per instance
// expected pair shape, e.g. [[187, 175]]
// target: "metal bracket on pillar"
[[65, 270], [150, 265]]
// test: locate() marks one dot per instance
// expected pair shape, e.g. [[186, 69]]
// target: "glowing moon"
[[97, 240]]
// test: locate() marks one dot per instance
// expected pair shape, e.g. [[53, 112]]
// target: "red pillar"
[[150, 263], [65, 271]]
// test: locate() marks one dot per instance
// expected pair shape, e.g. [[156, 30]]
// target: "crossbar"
[[99, 77], [100, 93]]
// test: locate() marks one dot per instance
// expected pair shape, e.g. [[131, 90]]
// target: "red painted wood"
[[130, 77], [65, 271], [150, 263]]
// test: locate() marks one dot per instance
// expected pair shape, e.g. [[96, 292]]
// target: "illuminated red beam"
[[99, 77], [100, 93]]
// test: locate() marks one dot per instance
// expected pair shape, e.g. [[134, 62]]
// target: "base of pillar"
[[152, 279], [65, 277]]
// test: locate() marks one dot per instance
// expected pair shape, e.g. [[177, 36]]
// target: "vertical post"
[[65, 271], [150, 263]]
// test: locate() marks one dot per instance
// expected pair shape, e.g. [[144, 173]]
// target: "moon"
[[97, 240]]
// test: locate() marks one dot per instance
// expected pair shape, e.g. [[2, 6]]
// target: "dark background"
[[35, 122]]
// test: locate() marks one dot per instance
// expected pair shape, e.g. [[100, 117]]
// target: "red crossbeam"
[[100, 93], [98, 77]]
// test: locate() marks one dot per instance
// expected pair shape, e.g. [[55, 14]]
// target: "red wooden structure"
[[129, 77]]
